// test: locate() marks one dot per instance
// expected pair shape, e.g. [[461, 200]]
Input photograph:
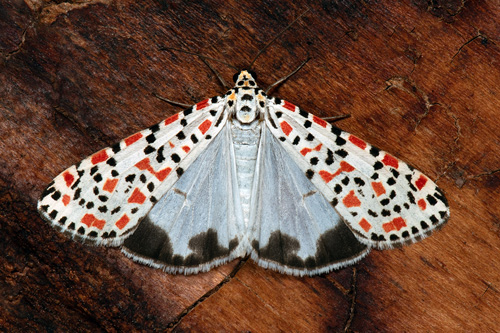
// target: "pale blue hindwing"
[[295, 229], [197, 224]]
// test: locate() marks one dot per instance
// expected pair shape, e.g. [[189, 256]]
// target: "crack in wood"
[[484, 40], [352, 294], [488, 173], [21, 43]]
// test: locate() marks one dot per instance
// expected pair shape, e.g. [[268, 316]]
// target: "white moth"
[[244, 174]]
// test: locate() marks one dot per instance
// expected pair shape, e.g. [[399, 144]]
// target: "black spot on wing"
[[149, 150], [159, 155], [333, 246], [151, 241], [116, 147], [374, 151], [340, 141], [155, 128], [335, 130], [440, 196], [56, 195], [273, 124], [49, 189], [181, 135]]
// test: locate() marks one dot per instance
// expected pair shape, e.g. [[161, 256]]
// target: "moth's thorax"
[[246, 101]]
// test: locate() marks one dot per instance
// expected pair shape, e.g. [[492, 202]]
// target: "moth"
[[244, 174]]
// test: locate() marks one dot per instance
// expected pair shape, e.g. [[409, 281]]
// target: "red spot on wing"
[[319, 121], [99, 224], [379, 188], [91, 221], [326, 176], [110, 185], [388, 227], [286, 128], [304, 151], [365, 225], [186, 149], [171, 119], [357, 141], [145, 165], [344, 167], [396, 224], [202, 104], [421, 181], [162, 174], [422, 204], [137, 197], [351, 200], [399, 223], [99, 157], [122, 222], [66, 199], [87, 219], [68, 178], [205, 126], [390, 161], [289, 106], [171, 144], [132, 139]]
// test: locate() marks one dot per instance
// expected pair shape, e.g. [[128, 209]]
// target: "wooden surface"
[[420, 81]]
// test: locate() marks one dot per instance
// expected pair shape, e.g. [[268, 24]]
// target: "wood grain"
[[420, 81]]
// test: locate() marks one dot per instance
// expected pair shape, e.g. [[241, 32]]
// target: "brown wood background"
[[421, 80]]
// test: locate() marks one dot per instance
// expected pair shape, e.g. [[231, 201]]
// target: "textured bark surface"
[[420, 80]]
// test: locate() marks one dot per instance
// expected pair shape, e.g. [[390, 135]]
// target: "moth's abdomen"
[[246, 145]]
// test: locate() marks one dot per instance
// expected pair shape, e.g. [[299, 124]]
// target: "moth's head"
[[245, 78]]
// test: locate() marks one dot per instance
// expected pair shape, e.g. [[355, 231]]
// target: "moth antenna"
[[184, 105], [283, 79], [221, 79], [334, 119]]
